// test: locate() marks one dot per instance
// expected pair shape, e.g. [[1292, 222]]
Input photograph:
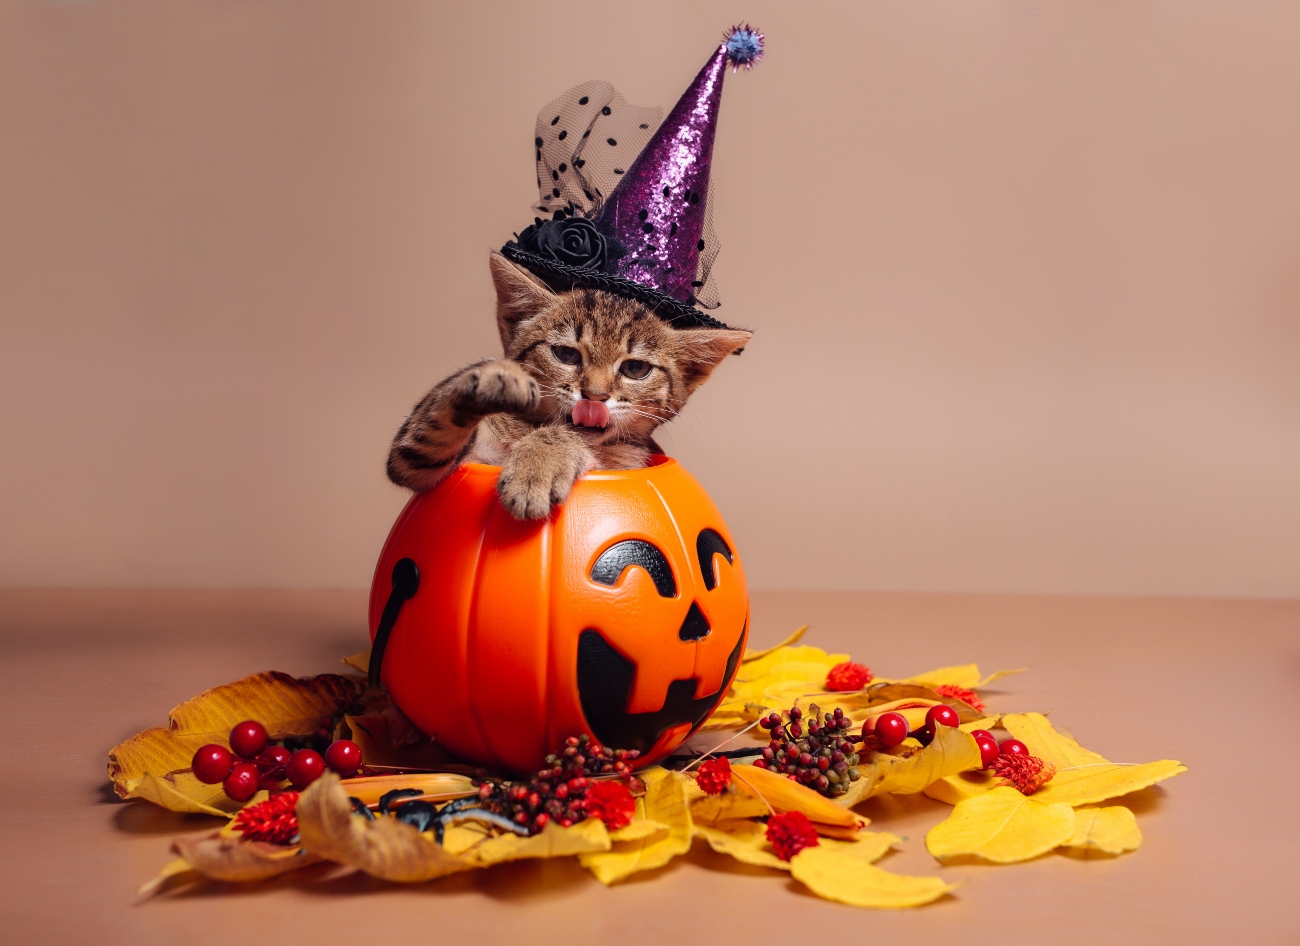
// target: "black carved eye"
[[623, 555], [707, 545], [567, 355], [636, 370]]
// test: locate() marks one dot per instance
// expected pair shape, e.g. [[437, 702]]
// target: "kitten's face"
[[599, 347]]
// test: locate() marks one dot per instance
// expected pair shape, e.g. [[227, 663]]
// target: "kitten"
[[586, 378]]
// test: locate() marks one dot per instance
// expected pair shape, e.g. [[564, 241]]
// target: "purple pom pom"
[[744, 46]]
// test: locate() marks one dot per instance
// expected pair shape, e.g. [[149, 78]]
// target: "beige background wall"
[[1025, 278]]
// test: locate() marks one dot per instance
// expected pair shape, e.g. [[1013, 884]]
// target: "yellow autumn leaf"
[[784, 795], [175, 868], [552, 841], [955, 788], [762, 666], [964, 675], [459, 839], [284, 704], [1089, 784], [736, 801], [359, 661], [752, 655], [384, 848], [984, 722], [1109, 830], [1002, 826], [1042, 740], [870, 846], [951, 751], [163, 792], [835, 873], [998, 675], [638, 830], [664, 801], [719, 721], [743, 839]]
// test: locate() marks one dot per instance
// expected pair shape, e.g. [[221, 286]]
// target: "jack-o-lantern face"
[[623, 615]]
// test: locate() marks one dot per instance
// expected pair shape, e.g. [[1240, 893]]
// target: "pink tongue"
[[588, 413]]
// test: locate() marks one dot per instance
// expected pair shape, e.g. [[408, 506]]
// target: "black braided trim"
[[563, 276]]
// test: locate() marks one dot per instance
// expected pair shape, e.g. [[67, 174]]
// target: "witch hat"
[[629, 201]]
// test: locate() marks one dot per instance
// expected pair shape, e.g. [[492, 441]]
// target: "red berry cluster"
[[714, 776], [252, 762], [848, 676], [561, 791], [1027, 773], [274, 820], [791, 832], [1011, 760], [969, 697], [823, 757]]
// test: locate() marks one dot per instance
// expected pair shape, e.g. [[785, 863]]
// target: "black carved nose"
[[695, 626]]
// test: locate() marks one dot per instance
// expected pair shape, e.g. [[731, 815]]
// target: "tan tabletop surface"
[[1215, 684]]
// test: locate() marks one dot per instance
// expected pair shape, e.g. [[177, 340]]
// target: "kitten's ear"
[[700, 350], [520, 297]]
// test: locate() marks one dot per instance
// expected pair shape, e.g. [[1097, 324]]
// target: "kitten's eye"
[[636, 370], [570, 356]]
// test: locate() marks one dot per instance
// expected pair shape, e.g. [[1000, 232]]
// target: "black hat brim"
[[561, 277]]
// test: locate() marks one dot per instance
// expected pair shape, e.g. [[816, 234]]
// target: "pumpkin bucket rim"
[[658, 462]]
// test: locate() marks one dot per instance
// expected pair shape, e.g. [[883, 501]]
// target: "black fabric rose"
[[574, 241]]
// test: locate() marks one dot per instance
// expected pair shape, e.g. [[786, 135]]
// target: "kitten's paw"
[[496, 387], [538, 475]]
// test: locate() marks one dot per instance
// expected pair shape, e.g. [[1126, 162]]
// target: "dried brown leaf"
[[220, 857], [384, 848]]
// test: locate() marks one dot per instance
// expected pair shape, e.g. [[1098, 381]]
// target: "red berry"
[[211, 764], [988, 746], [344, 757], [241, 784], [305, 766], [1013, 747], [248, 738], [891, 729], [940, 715]]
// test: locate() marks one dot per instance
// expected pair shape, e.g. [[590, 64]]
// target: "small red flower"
[[790, 833], [274, 820], [1027, 773], [969, 697], [848, 676], [714, 776], [611, 802]]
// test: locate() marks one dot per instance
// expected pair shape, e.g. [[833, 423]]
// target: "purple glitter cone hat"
[[629, 201]]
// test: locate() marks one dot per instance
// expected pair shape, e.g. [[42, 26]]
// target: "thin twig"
[[735, 736]]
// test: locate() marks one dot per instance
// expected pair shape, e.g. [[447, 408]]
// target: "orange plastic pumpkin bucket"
[[624, 615]]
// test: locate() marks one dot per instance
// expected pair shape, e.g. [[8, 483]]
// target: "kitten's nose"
[[596, 395]]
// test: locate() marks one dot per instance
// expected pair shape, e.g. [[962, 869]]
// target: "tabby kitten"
[[586, 378]]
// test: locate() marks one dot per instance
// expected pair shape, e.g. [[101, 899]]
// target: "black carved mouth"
[[605, 685]]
